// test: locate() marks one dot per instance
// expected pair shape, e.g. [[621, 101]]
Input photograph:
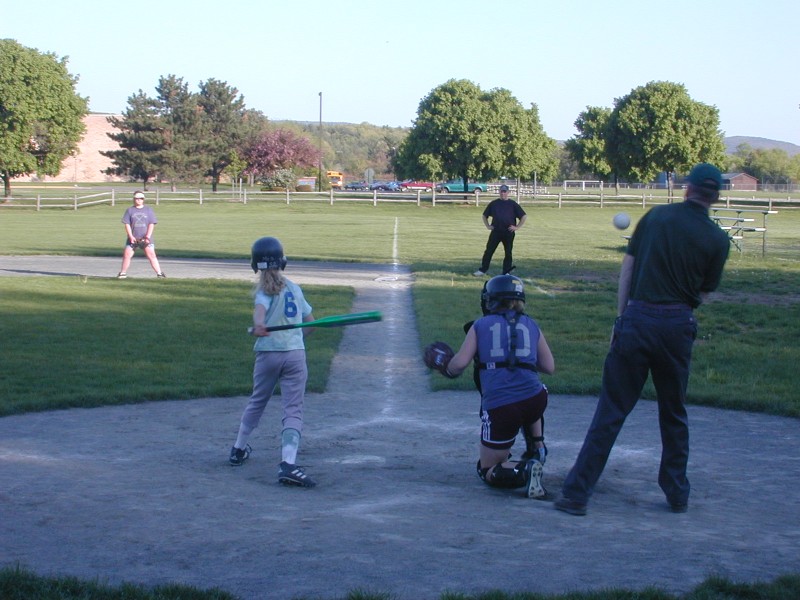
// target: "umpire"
[[675, 258]]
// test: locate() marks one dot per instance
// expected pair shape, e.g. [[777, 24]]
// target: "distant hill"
[[731, 143], [757, 143]]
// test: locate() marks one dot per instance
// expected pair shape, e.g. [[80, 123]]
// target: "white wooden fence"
[[526, 196]]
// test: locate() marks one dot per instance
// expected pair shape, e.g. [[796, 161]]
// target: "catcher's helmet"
[[267, 253], [502, 287]]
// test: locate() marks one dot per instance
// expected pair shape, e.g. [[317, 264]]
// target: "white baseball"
[[621, 221]]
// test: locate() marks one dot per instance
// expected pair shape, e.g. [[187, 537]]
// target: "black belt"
[[506, 365], [643, 304]]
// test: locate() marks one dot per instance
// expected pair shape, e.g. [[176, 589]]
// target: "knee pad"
[[503, 477]]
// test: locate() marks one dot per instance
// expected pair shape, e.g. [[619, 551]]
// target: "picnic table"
[[739, 221]]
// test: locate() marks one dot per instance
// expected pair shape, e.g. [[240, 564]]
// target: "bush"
[[281, 178]]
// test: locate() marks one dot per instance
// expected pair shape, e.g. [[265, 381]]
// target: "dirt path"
[[143, 493]]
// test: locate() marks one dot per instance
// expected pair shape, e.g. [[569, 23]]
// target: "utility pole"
[[319, 174]]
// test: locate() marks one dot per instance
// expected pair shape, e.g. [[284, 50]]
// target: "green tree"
[[222, 126], [353, 148], [41, 115], [771, 165], [184, 136], [525, 151], [461, 131], [449, 137], [659, 128], [179, 159], [140, 138], [740, 159], [794, 168], [236, 167], [568, 167], [588, 148]]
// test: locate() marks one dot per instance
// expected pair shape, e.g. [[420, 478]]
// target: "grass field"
[[569, 258], [19, 584], [109, 342]]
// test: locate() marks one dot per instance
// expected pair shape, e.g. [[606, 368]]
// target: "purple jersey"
[[501, 385], [139, 219]]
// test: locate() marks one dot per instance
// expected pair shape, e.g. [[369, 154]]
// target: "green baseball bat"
[[332, 321]]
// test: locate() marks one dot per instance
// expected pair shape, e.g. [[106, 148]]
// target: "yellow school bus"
[[336, 179]]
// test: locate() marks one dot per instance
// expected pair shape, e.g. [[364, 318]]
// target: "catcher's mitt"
[[437, 356]]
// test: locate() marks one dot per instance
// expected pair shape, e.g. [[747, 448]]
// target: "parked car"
[[357, 186], [414, 184], [457, 185], [385, 186]]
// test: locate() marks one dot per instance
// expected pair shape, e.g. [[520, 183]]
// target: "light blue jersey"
[[287, 308], [501, 385]]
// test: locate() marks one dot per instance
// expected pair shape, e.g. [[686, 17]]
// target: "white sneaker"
[[534, 489], [479, 273], [122, 275]]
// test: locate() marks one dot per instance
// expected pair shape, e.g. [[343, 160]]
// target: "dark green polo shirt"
[[679, 253]]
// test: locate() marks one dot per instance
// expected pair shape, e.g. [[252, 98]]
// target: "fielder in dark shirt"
[[506, 218]]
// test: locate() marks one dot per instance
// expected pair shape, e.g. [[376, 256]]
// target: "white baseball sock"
[[290, 443]]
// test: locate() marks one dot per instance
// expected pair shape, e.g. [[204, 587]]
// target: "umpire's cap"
[[706, 176]]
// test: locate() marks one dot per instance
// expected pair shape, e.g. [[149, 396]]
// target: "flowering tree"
[[279, 149]]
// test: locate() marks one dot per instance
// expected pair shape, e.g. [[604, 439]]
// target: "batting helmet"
[[502, 287], [267, 253]]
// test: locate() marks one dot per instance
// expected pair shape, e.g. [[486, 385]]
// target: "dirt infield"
[[143, 493]]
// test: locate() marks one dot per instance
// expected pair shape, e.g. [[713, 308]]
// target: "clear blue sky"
[[374, 61]]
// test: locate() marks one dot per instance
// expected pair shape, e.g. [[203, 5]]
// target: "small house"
[[739, 182]]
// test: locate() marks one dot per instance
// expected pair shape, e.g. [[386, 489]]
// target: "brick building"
[[88, 164]]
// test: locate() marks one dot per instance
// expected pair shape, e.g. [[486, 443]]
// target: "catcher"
[[139, 221], [533, 434], [510, 351]]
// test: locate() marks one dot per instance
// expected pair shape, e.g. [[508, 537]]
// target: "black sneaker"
[[533, 475], [679, 507], [571, 507], [294, 475], [239, 455], [161, 275]]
